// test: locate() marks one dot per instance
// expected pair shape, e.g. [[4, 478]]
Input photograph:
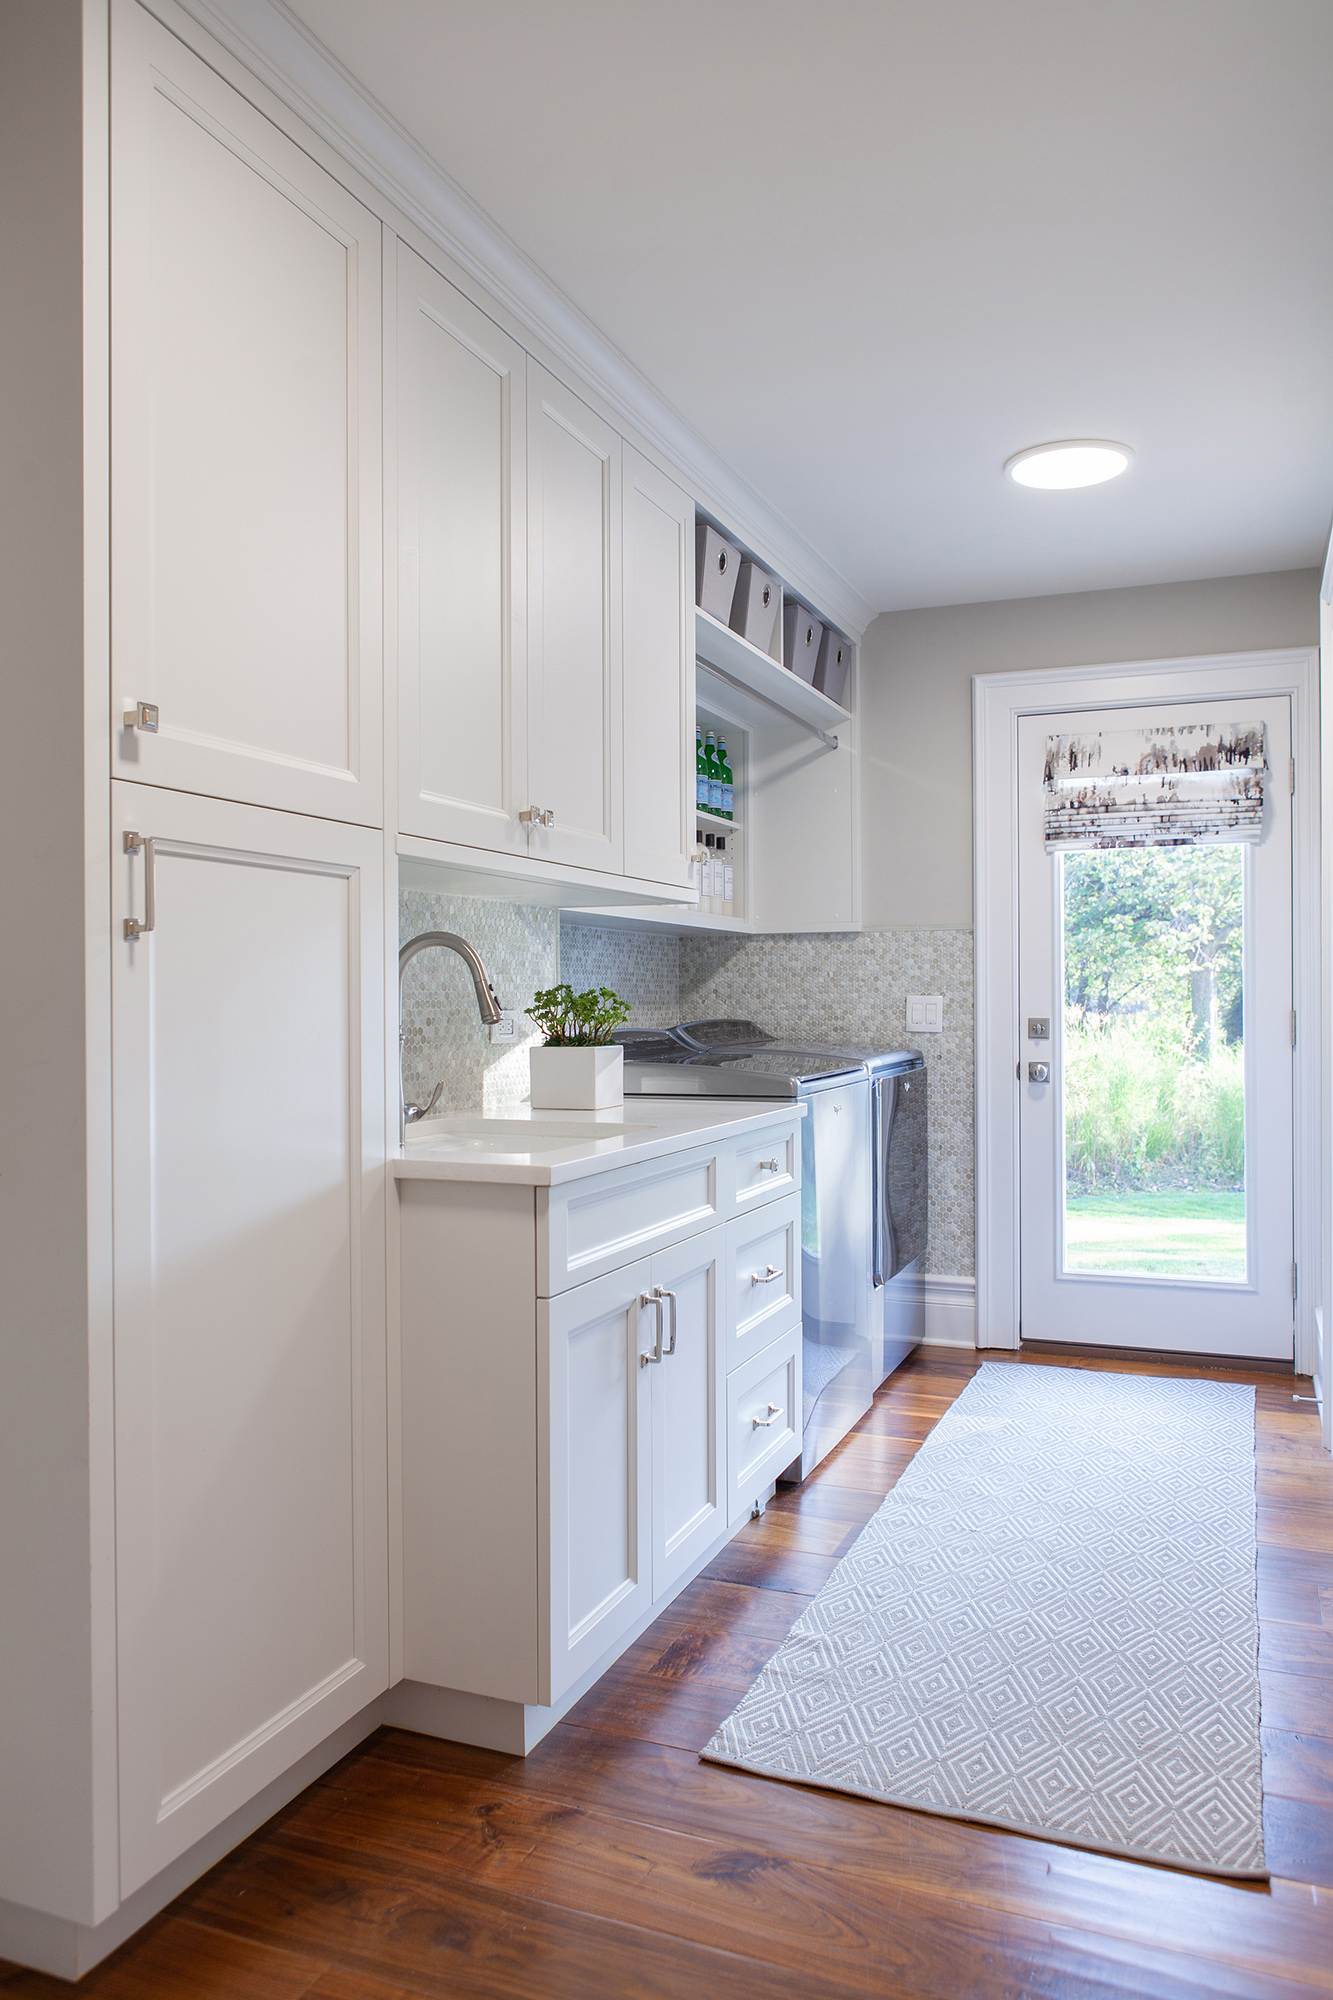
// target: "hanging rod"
[[829, 742]]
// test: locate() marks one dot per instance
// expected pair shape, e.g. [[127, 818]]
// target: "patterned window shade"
[[1164, 787]]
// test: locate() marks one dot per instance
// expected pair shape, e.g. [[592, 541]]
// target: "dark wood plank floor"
[[611, 1862]]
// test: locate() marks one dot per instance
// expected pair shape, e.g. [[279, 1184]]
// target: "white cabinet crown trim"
[[301, 72]]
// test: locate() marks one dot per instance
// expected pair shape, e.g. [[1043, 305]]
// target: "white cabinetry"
[[545, 616], [659, 673], [689, 1394], [565, 1459], [574, 628], [633, 1364], [595, 1417], [249, 1309], [460, 442], [245, 424]]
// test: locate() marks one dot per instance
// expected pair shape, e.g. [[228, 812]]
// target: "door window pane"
[[1153, 1069]]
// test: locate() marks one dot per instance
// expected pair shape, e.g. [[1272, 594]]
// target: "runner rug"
[[1048, 1626]]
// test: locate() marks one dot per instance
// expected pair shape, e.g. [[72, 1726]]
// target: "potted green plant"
[[578, 1067]]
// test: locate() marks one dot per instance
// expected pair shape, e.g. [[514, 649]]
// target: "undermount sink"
[[514, 1135]]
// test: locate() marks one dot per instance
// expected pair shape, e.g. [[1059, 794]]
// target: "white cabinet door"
[[595, 1481], [689, 1408], [460, 441], [245, 487], [249, 1304], [574, 628], [658, 554]]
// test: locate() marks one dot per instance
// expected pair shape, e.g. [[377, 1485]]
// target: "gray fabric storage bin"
[[801, 634], [835, 656], [716, 566], [751, 616]]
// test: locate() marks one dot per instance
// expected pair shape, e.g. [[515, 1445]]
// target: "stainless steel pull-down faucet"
[[487, 1005]]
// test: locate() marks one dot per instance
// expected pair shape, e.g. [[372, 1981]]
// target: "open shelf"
[[718, 646], [706, 818]]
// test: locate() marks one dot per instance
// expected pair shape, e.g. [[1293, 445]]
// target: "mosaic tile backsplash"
[[643, 967], [830, 988], [446, 1042]]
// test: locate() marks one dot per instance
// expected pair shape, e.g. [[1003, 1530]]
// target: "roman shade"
[[1168, 786]]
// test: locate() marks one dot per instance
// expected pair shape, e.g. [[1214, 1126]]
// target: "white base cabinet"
[[633, 1410], [574, 1451], [247, 1071]]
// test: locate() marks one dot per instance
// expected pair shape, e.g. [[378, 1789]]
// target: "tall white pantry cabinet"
[[194, 990], [194, 1394]]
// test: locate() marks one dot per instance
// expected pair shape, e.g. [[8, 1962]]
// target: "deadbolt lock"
[[1039, 1027]]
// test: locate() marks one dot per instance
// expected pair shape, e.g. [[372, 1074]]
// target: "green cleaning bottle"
[[714, 800], [700, 771], [728, 788]]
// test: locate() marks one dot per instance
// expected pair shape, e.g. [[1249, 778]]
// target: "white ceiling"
[[870, 248]]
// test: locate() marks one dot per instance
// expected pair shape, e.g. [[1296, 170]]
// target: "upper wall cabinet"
[[461, 447], [659, 674], [245, 425], [574, 630]]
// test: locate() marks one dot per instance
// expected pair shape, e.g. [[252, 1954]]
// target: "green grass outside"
[[1198, 1234]]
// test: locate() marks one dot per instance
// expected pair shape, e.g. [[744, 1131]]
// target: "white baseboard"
[[951, 1311]]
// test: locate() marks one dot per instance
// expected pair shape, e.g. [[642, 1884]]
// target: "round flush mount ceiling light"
[[1072, 462]]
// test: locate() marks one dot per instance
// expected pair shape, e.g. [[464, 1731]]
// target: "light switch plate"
[[925, 1013], [506, 1028]]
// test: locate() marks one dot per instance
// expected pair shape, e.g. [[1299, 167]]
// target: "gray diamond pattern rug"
[[1049, 1626]]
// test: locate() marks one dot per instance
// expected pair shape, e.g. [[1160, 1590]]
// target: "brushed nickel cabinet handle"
[[660, 1295], [766, 1276], [762, 1423], [134, 843], [653, 1298]]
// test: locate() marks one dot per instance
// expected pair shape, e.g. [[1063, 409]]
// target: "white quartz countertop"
[[544, 1148]]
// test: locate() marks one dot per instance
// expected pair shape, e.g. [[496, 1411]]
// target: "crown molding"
[[281, 52]]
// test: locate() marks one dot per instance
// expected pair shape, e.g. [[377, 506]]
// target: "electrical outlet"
[[506, 1028], [925, 1013]]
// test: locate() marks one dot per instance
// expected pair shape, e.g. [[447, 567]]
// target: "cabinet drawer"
[[763, 1276], [763, 1420], [766, 1164], [587, 1227]]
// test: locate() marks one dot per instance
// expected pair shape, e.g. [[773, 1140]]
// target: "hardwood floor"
[[612, 1862]]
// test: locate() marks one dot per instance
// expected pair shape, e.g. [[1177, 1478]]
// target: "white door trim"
[[998, 700]]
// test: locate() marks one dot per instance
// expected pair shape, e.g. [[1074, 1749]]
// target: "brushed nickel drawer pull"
[[762, 1423], [765, 1277], [768, 1167]]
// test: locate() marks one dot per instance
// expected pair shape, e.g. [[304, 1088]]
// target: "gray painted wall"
[[916, 701]]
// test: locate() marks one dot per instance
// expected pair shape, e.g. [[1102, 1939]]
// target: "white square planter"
[[577, 1079]]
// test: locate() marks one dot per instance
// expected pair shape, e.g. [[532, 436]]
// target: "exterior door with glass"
[[1156, 1024]]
